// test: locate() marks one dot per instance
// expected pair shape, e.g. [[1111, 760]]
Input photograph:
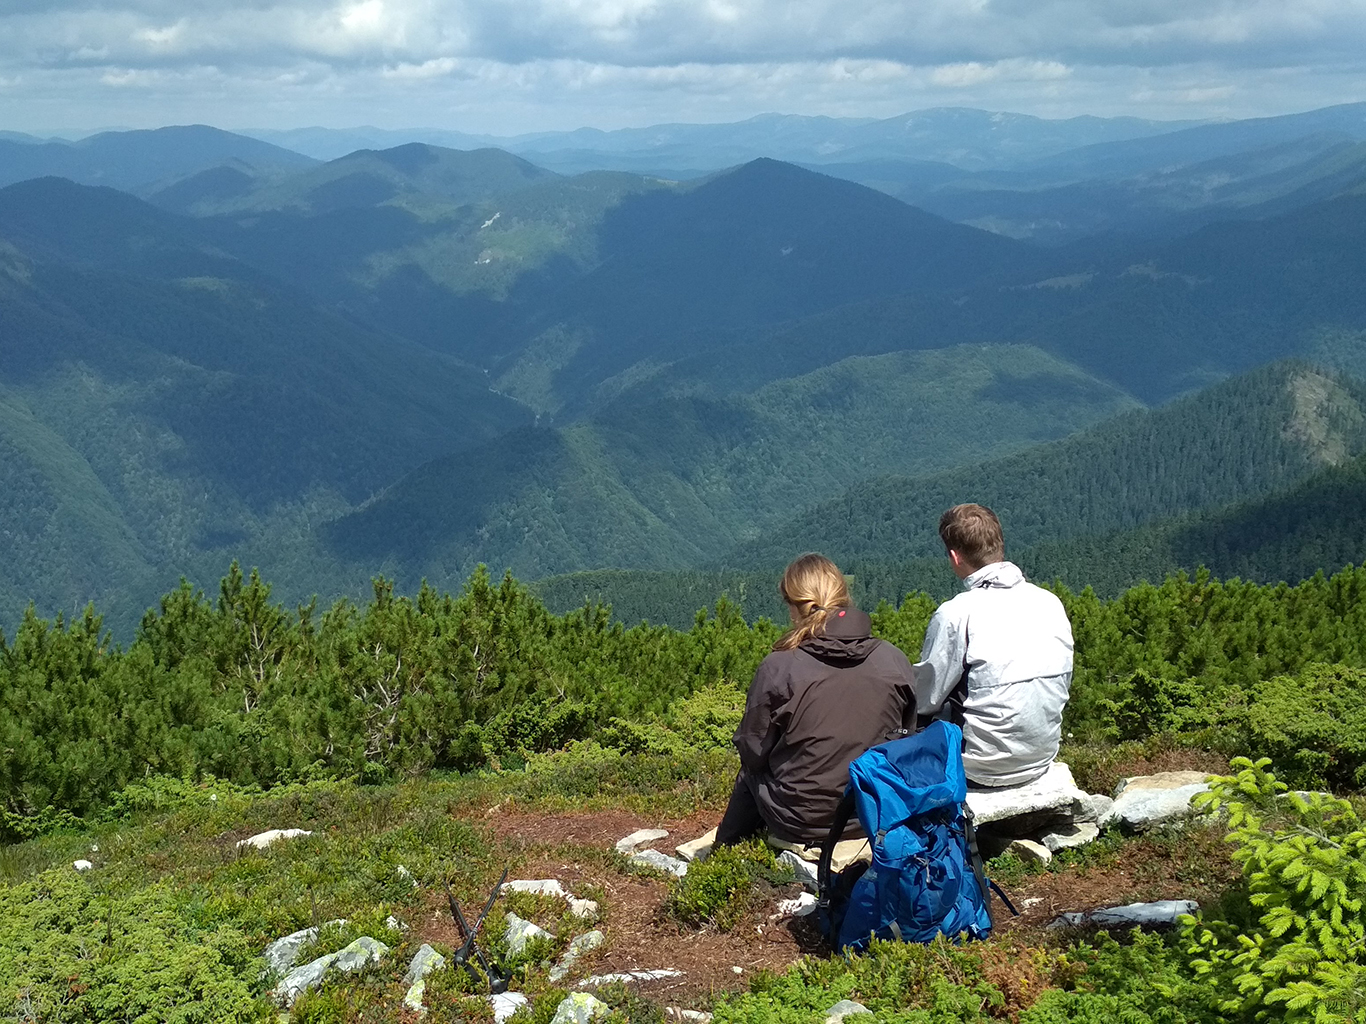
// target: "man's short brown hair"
[[974, 532]]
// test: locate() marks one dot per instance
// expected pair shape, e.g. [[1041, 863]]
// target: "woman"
[[827, 693]]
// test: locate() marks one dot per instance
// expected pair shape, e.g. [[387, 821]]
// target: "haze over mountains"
[[411, 359]]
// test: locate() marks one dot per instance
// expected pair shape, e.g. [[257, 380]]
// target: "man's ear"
[[955, 558]]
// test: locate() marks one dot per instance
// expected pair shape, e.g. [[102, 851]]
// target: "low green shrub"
[[721, 888], [1312, 726]]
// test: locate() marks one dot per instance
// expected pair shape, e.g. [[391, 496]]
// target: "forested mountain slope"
[[1242, 439], [163, 400], [673, 481]]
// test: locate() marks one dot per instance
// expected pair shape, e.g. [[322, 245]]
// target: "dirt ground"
[[571, 847]]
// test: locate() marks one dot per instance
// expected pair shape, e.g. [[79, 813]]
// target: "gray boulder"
[[363, 951], [1030, 852], [282, 954], [580, 1008], [505, 1004], [844, 1008], [578, 946], [423, 963], [657, 861], [1147, 800], [520, 932], [641, 837]]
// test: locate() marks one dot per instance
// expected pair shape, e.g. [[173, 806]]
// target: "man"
[[997, 659]]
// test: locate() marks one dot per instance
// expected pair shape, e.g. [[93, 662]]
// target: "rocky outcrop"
[[1147, 800], [364, 950]]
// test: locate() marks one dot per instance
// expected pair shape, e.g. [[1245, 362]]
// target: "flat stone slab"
[[630, 977], [1069, 837], [1162, 914], [1053, 791], [641, 837], [1147, 800], [657, 861], [263, 839]]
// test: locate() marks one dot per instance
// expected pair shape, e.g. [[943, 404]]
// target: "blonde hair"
[[814, 586]]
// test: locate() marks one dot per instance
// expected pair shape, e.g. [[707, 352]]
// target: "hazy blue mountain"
[[137, 160], [1128, 157], [1243, 439], [414, 175], [956, 135]]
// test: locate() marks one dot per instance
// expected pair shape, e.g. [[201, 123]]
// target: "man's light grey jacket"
[[1015, 643]]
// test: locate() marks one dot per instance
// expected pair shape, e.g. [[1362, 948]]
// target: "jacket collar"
[[995, 574]]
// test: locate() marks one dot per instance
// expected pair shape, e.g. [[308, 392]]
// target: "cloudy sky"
[[509, 66]]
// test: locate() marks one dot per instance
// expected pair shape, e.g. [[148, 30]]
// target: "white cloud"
[[508, 65]]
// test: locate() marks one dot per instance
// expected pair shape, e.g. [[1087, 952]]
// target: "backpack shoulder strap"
[[843, 812]]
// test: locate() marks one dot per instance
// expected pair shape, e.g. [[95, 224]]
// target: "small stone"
[[799, 907], [738, 970], [283, 953], [639, 838], [1069, 837], [505, 1004], [394, 924], [697, 1016], [842, 1009], [657, 861], [803, 869], [578, 946], [520, 932], [264, 839], [1161, 914], [406, 876], [579, 1008], [82, 865], [1029, 851]]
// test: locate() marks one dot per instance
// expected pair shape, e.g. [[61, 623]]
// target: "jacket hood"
[[997, 574], [848, 637]]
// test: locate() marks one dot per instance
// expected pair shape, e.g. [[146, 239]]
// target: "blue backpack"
[[926, 875]]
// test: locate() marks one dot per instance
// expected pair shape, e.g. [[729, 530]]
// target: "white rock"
[[697, 1016], [283, 953], [1052, 791], [1029, 851], [1147, 800], [1068, 837], [842, 1009], [537, 887], [738, 970], [505, 1004], [1159, 914], [639, 838], [799, 907], [264, 839], [579, 1008], [584, 910], [521, 931], [394, 924], [424, 962], [657, 861], [406, 876], [803, 869], [82, 865], [355, 956], [627, 977], [578, 946]]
